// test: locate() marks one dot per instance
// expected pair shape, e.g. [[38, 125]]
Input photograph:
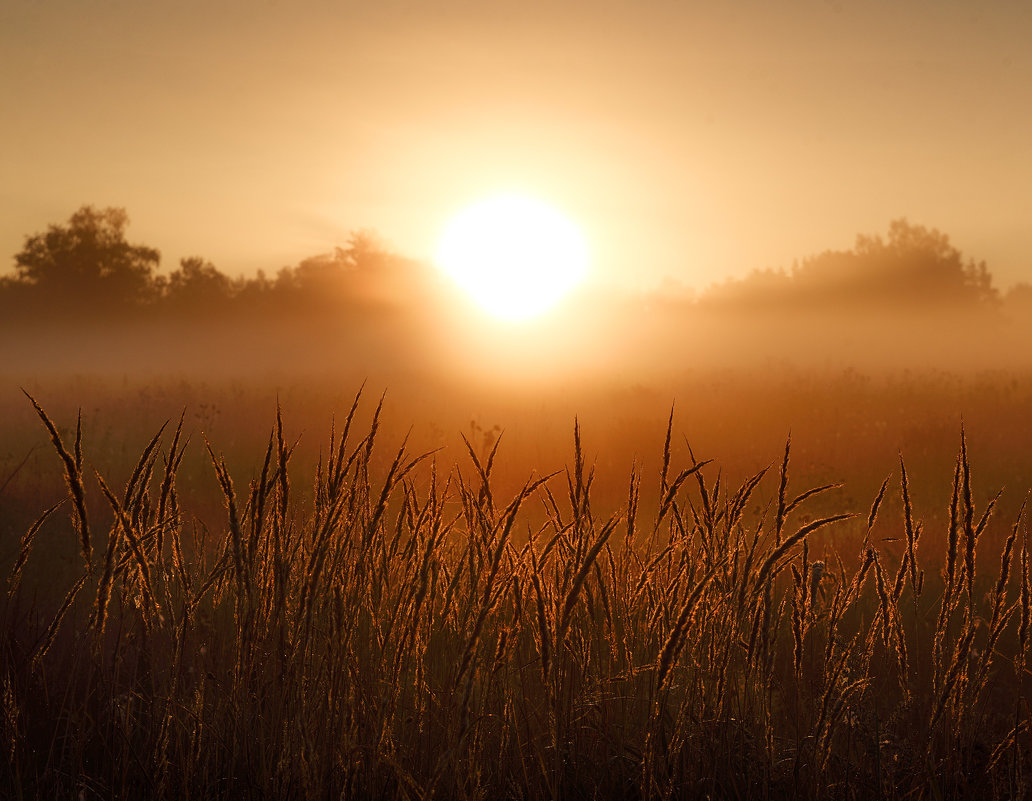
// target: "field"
[[513, 401], [782, 584]]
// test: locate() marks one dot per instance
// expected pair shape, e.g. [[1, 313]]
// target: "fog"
[[860, 355]]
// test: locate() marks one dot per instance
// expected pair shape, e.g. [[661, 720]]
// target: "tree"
[[915, 266], [365, 253], [363, 275], [1018, 301], [88, 261], [914, 269], [198, 284]]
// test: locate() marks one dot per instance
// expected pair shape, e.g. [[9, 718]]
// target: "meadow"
[[798, 583]]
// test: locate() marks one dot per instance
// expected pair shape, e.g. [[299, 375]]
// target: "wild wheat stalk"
[[581, 576], [675, 642], [999, 617], [913, 532], [952, 676], [73, 476], [1026, 608], [950, 587], [872, 516], [775, 555], [243, 575], [48, 638], [779, 521], [544, 636], [25, 548], [135, 546]]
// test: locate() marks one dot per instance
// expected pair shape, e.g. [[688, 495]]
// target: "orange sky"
[[690, 139]]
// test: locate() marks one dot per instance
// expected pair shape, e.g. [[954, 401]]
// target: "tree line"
[[914, 268], [87, 267]]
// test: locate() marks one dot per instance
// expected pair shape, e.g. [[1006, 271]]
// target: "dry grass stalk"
[[804, 496], [100, 606], [999, 617], [580, 577], [633, 493], [166, 499], [544, 636], [1010, 741], [47, 640], [141, 472], [73, 476], [957, 667], [741, 500], [969, 530], [673, 488], [26, 547], [135, 546], [665, 467], [490, 598], [776, 555], [675, 642], [798, 615], [1026, 609], [706, 523], [885, 608], [872, 516], [779, 520], [913, 532], [950, 582], [243, 575]]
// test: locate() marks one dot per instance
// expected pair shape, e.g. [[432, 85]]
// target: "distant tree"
[[253, 294], [317, 276], [365, 252], [1018, 300], [198, 284], [364, 274], [88, 261], [672, 292], [916, 265], [759, 289], [914, 268]]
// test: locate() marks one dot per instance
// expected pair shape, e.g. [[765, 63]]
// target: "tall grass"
[[410, 634]]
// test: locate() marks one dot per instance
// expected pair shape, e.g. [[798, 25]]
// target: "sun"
[[515, 256]]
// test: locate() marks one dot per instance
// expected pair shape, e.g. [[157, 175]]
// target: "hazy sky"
[[691, 139]]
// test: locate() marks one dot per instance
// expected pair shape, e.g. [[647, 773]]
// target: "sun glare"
[[515, 256]]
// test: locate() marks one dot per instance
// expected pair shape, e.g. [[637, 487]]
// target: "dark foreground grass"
[[410, 634]]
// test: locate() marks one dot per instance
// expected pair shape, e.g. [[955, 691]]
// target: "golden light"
[[515, 256]]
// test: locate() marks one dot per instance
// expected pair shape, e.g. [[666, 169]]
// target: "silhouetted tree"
[[365, 253], [88, 261], [364, 275], [1018, 301], [915, 268], [198, 284], [916, 265], [766, 288]]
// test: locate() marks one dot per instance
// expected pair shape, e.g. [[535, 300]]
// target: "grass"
[[409, 630]]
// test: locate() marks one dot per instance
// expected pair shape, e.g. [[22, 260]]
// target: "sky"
[[689, 140]]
